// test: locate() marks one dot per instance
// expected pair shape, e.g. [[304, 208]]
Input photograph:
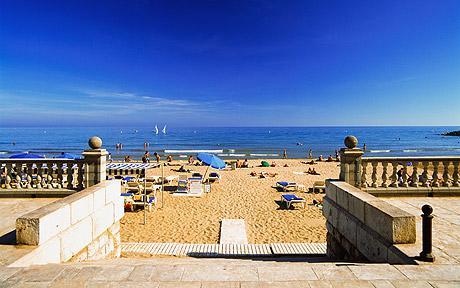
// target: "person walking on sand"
[[310, 154], [284, 154], [364, 147]]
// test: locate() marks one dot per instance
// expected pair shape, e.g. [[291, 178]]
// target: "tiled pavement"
[[192, 272]]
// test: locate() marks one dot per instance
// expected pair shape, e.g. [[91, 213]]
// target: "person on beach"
[[191, 160], [157, 157], [169, 158], [128, 159], [245, 164], [364, 147], [146, 157], [274, 164], [310, 154], [284, 154], [330, 159], [320, 158]]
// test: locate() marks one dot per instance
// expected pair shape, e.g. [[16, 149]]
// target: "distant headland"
[[452, 133]]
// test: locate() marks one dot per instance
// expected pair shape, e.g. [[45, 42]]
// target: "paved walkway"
[[233, 231], [190, 272], [446, 226], [222, 250], [10, 209]]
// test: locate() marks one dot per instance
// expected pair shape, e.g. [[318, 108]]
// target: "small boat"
[[156, 129], [164, 130]]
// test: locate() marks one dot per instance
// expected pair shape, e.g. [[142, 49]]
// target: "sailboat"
[[164, 130], [156, 129]]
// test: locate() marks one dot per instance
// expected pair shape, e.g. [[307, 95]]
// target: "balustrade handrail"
[[411, 158]]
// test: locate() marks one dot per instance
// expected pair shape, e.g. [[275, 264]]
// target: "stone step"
[[233, 231]]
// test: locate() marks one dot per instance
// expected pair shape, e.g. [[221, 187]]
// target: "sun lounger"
[[182, 184], [290, 199], [285, 186], [169, 179], [319, 185], [132, 186], [214, 177]]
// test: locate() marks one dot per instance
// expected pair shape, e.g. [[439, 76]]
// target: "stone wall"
[[363, 227], [82, 226]]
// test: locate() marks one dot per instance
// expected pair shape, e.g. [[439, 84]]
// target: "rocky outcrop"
[[452, 133]]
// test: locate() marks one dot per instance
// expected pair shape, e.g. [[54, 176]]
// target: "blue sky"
[[229, 63]]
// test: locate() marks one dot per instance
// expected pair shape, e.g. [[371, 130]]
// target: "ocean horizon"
[[232, 142]]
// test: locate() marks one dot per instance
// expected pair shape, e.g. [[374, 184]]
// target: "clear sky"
[[229, 63]]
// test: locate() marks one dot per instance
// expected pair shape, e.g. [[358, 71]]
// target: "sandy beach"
[[237, 196]]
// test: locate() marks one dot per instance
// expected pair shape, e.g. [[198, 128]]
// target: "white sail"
[[164, 130], [156, 129]]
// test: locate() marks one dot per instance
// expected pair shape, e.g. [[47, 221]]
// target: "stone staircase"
[[207, 272]]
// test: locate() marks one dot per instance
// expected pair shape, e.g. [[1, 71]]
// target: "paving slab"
[[376, 272], [233, 231], [286, 273], [333, 272]]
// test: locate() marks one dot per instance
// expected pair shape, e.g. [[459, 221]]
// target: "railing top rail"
[[39, 160], [413, 158]]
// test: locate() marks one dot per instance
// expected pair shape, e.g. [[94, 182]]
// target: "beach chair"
[[287, 186], [182, 184], [214, 177], [195, 185], [319, 185], [290, 199], [132, 186]]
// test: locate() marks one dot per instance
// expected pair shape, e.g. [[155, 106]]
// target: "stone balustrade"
[[409, 173], [42, 174]]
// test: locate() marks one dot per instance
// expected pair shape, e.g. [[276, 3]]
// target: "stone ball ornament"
[[427, 209], [95, 142], [350, 142]]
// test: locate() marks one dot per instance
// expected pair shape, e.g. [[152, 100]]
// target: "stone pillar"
[[95, 161], [350, 162]]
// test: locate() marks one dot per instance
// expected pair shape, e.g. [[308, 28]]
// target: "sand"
[[237, 196]]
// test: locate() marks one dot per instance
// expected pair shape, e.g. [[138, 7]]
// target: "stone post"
[[95, 161], [350, 162]]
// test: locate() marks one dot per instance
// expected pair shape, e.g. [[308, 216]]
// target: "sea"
[[231, 142]]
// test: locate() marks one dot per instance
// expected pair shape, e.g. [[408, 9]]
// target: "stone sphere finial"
[[427, 209], [351, 141], [95, 142]]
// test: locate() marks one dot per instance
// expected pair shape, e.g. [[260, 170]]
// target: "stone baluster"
[[60, 178], [414, 176], [404, 183], [425, 164], [364, 174], [80, 185], [18, 177], [39, 175], [456, 176], [385, 174], [69, 175], [9, 169], [30, 171], [49, 175], [374, 174], [394, 175], [445, 174], [435, 181]]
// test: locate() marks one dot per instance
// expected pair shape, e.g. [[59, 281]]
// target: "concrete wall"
[[82, 226], [363, 227]]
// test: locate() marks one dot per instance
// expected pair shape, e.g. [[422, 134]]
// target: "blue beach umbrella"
[[26, 156], [69, 156], [211, 160]]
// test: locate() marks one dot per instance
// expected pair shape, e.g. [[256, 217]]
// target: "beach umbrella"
[[26, 156], [210, 160], [69, 156]]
